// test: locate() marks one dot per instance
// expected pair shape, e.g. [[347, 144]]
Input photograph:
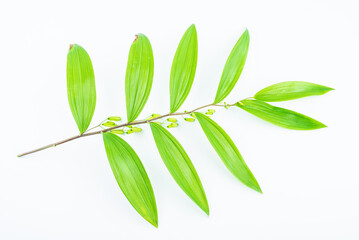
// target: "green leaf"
[[279, 116], [183, 68], [139, 76], [290, 90], [233, 68], [131, 176], [81, 89], [227, 151], [179, 165]]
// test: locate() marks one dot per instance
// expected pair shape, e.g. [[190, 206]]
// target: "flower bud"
[[189, 119], [209, 113], [114, 118], [136, 129], [211, 110], [172, 125], [172, 120], [108, 124], [130, 131], [154, 115], [117, 131]]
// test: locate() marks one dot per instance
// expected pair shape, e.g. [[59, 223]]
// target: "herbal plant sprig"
[[127, 168]]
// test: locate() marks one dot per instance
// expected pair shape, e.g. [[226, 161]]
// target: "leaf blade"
[[183, 68], [279, 116], [131, 177], [81, 89], [179, 165], [290, 90], [227, 151], [233, 67], [139, 76]]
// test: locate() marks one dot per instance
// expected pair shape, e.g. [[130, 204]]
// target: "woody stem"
[[86, 134]]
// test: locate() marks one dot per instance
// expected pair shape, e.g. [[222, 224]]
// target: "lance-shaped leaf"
[[290, 90], [183, 68], [179, 165], [131, 176], [227, 151], [233, 67], [139, 76], [279, 116], [81, 89]]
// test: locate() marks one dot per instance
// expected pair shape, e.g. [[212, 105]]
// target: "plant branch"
[[86, 134]]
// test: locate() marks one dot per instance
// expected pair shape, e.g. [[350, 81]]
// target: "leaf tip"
[[322, 125], [204, 205], [206, 210], [153, 219], [317, 125], [154, 222], [71, 46], [246, 34], [258, 189], [330, 89], [193, 27]]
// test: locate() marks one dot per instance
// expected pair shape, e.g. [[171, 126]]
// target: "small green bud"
[[129, 126], [136, 129], [172, 125], [226, 107], [172, 120], [209, 113], [189, 119], [129, 131], [211, 110], [117, 131], [154, 115], [114, 118], [108, 124], [192, 115]]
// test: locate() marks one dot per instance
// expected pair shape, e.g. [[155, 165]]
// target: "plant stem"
[[86, 134]]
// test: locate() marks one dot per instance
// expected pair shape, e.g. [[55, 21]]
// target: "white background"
[[309, 179]]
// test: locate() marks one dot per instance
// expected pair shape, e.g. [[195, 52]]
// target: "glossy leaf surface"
[[227, 151], [233, 67], [81, 89], [179, 165], [183, 68], [279, 116], [131, 176], [139, 76], [290, 90]]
